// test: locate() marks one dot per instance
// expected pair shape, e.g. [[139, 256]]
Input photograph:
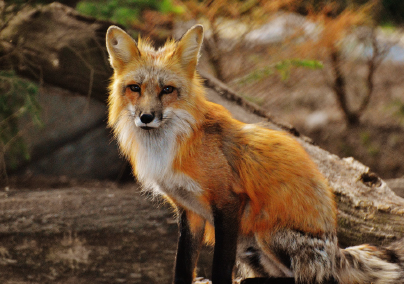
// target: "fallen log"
[[56, 45], [397, 185]]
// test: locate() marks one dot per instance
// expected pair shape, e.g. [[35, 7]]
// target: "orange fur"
[[272, 209], [279, 185], [274, 172]]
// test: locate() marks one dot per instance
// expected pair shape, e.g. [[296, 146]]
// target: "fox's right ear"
[[189, 47], [121, 47]]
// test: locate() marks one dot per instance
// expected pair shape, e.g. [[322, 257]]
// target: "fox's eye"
[[167, 90], [134, 88]]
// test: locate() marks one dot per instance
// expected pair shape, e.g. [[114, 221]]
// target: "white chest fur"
[[154, 165], [157, 148], [154, 156]]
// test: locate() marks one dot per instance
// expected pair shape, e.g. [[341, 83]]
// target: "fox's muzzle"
[[147, 121], [147, 117]]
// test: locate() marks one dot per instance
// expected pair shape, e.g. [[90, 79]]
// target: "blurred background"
[[333, 69], [70, 212]]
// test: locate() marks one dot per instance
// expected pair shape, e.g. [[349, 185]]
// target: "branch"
[[339, 87], [373, 63]]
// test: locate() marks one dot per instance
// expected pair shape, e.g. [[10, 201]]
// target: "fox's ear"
[[121, 47], [188, 48]]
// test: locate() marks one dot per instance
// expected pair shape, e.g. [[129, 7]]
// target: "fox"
[[252, 193]]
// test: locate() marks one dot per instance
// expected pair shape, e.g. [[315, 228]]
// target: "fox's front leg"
[[227, 222], [189, 244]]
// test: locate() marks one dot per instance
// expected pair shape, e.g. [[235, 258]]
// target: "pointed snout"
[[147, 120], [147, 117]]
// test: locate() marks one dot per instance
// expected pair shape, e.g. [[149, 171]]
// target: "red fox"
[[252, 192]]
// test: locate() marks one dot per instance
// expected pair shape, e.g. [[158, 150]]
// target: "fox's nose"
[[147, 117]]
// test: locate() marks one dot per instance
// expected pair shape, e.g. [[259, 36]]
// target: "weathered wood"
[[397, 185], [57, 45]]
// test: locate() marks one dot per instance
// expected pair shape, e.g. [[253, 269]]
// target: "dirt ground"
[[65, 231]]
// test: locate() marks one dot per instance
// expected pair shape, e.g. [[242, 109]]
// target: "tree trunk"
[[340, 90], [56, 45]]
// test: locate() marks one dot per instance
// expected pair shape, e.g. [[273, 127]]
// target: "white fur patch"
[[248, 127], [368, 267], [157, 151], [154, 152], [132, 109], [154, 124]]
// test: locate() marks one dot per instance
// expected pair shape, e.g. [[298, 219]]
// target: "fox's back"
[[269, 168]]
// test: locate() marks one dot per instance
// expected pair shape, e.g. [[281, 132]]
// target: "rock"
[[74, 140], [316, 120]]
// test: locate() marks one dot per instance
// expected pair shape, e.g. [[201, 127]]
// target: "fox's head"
[[151, 86]]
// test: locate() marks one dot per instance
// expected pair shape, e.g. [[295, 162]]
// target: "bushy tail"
[[368, 264]]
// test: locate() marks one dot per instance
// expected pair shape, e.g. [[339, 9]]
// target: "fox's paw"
[[201, 280]]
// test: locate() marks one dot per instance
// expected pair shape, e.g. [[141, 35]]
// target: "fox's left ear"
[[188, 48], [121, 47]]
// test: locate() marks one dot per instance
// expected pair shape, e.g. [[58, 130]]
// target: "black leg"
[[187, 251], [226, 232]]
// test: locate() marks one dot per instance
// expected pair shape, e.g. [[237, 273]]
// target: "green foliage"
[[400, 108], [346, 149], [283, 68], [124, 12], [255, 100], [109, 10], [365, 138], [256, 75], [372, 149], [397, 107], [18, 99]]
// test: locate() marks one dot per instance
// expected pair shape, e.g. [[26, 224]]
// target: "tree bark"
[[56, 45]]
